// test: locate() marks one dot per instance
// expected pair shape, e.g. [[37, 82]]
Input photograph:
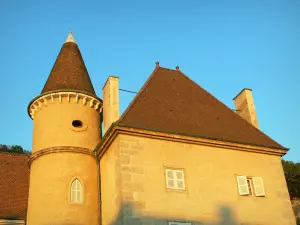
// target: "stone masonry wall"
[[211, 196]]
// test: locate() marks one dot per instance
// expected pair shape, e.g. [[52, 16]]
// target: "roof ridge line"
[[167, 68], [141, 90], [138, 94]]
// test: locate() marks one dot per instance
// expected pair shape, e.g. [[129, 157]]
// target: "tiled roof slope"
[[14, 185], [69, 72], [170, 102]]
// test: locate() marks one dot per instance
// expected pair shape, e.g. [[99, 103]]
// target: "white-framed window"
[[76, 191], [179, 223], [175, 179], [252, 186]]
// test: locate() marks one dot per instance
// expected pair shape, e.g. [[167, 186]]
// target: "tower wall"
[[62, 153], [53, 124]]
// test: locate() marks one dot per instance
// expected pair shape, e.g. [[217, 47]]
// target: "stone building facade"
[[176, 156]]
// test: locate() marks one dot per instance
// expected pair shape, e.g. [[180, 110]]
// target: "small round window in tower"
[[77, 123]]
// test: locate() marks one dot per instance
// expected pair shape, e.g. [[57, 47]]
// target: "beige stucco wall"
[[212, 194], [51, 174]]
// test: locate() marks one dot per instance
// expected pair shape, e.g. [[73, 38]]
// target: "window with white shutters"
[[76, 191], [242, 185], [258, 186], [252, 186], [175, 179]]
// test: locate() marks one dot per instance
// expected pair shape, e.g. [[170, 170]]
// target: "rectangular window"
[[175, 179], [252, 186], [179, 223]]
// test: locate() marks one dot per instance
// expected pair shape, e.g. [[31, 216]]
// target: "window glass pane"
[[180, 184], [78, 196], [73, 196], [179, 175], [170, 183], [73, 186], [170, 174], [77, 184]]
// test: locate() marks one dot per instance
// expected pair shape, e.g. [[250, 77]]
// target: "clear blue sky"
[[224, 46]]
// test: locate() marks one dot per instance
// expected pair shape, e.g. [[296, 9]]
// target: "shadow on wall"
[[128, 215]]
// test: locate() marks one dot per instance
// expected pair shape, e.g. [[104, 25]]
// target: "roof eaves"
[[61, 90], [198, 136], [107, 133]]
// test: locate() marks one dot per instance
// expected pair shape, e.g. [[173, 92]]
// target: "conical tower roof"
[[69, 72]]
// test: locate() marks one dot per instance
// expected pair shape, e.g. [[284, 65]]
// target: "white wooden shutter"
[[242, 185], [258, 186]]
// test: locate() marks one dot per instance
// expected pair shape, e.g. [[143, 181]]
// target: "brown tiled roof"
[[14, 185], [170, 102], [69, 72]]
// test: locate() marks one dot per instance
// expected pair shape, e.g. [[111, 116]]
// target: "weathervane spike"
[[70, 38]]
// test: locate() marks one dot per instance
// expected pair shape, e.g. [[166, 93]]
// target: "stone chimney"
[[111, 111], [245, 107]]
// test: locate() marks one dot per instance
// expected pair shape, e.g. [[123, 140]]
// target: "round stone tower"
[[67, 127]]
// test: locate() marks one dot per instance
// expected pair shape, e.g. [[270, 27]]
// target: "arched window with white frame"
[[76, 191]]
